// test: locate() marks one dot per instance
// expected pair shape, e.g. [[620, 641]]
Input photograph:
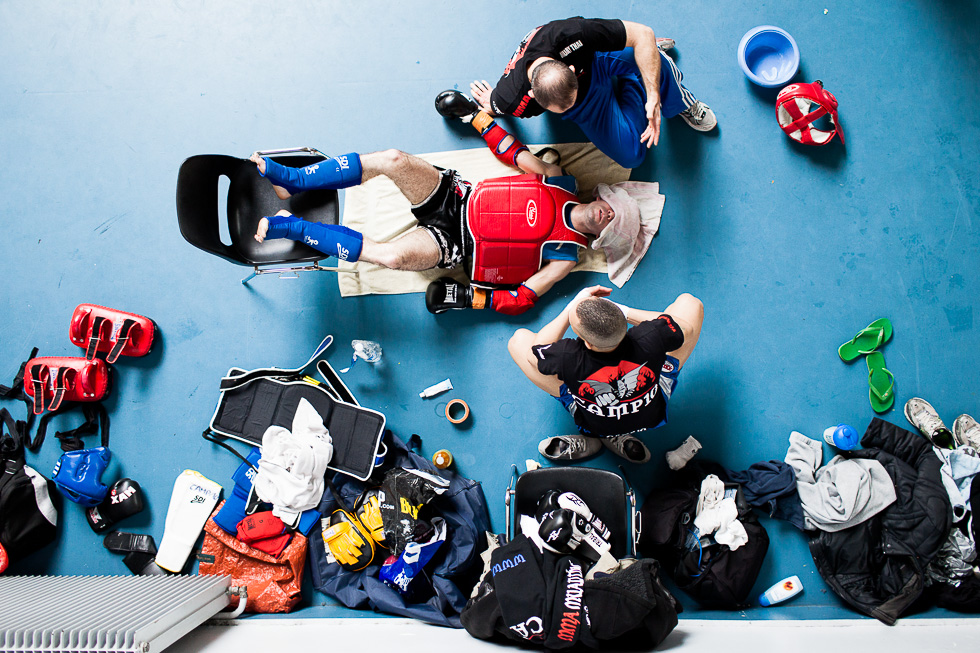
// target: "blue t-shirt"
[[559, 251]]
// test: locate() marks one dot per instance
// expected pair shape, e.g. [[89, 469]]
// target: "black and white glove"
[[445, 293]]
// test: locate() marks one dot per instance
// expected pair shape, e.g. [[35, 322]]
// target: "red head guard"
[[796, 113]]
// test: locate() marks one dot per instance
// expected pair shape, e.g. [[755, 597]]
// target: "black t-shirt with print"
[[618, 391], [573, 41]]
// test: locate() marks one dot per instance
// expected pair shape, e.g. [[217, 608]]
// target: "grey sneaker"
[[700, 117], [628, 447], [967, 431], [569, 447], [924, 417], [664, 44]]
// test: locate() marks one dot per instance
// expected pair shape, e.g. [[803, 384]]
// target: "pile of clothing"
[[881, 523]]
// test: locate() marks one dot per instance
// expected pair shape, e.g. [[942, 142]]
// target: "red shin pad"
[[53, 379], [100, 329]]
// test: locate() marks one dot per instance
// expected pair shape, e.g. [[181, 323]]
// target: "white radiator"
[[105, 614]]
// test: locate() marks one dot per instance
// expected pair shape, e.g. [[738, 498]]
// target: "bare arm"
[[550, 273], [530, 163], [644, 43], [555, 330]]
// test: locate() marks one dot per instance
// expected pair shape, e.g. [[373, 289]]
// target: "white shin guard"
[[191, 503]]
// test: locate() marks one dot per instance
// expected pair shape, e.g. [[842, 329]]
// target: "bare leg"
[[688, 311], [519, 347], [415, 178], [414, 250]]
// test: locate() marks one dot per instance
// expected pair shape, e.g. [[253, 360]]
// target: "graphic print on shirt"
[[618, 391]]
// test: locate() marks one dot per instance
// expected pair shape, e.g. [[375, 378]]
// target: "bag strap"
[[96, 419], [219, 440], [11, 435], [235, 381], [129, 328]]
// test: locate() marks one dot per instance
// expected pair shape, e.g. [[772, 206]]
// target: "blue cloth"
[[613, 113], [771, 486], [339, 172], [331, 239]]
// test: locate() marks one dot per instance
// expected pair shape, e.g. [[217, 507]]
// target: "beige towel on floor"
[[378, 210]]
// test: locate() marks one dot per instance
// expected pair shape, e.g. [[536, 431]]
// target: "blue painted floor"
[[791, 249]]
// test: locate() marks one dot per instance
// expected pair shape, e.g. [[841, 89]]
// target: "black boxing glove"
[[125, 499], [445, 293], [562, 531], [547, 503]]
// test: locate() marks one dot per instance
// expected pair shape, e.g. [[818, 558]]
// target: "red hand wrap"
[[513, 302], [494, 134]]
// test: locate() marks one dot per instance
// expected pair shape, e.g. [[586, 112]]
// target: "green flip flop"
[[881, 381], [867, 340]]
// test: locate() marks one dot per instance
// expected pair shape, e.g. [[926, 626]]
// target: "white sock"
[[682, 455]]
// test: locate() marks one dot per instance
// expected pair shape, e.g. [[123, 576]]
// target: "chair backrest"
[[197, 202], [603, 491], [250, 197]]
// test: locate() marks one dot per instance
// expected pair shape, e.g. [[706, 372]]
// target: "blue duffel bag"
[[451, 574]]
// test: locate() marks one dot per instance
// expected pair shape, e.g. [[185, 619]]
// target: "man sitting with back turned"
[[613, 379], [607, 76], [522, 233]]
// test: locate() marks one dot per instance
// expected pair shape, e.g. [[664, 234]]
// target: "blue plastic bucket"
[[768, 56]]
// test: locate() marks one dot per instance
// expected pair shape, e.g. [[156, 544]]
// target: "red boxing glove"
[[494, 135], [513, 302]]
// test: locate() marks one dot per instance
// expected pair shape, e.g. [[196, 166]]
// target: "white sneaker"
[[664, 44], [700, 117], [966, 431], [924, 417]]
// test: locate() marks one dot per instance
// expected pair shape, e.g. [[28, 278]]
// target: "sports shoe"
[[700, 117], [628, 447], [453, 104], [664, 44], [569, 447], [966, 431], [924, 417]]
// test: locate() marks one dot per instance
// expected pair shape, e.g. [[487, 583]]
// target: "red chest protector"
[[510, 220]]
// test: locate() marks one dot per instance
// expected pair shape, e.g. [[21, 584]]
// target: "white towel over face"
[[638, 206]]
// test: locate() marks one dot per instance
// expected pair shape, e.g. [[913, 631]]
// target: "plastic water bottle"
[[367, 350], [842, 436]]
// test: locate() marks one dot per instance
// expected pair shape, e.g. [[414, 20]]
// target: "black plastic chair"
[[607, 494], [250, 197]]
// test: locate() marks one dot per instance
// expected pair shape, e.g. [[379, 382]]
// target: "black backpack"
[[711, 573], [28, 515]]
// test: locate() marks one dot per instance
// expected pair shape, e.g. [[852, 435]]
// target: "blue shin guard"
[[339, 172], [331, 239]]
